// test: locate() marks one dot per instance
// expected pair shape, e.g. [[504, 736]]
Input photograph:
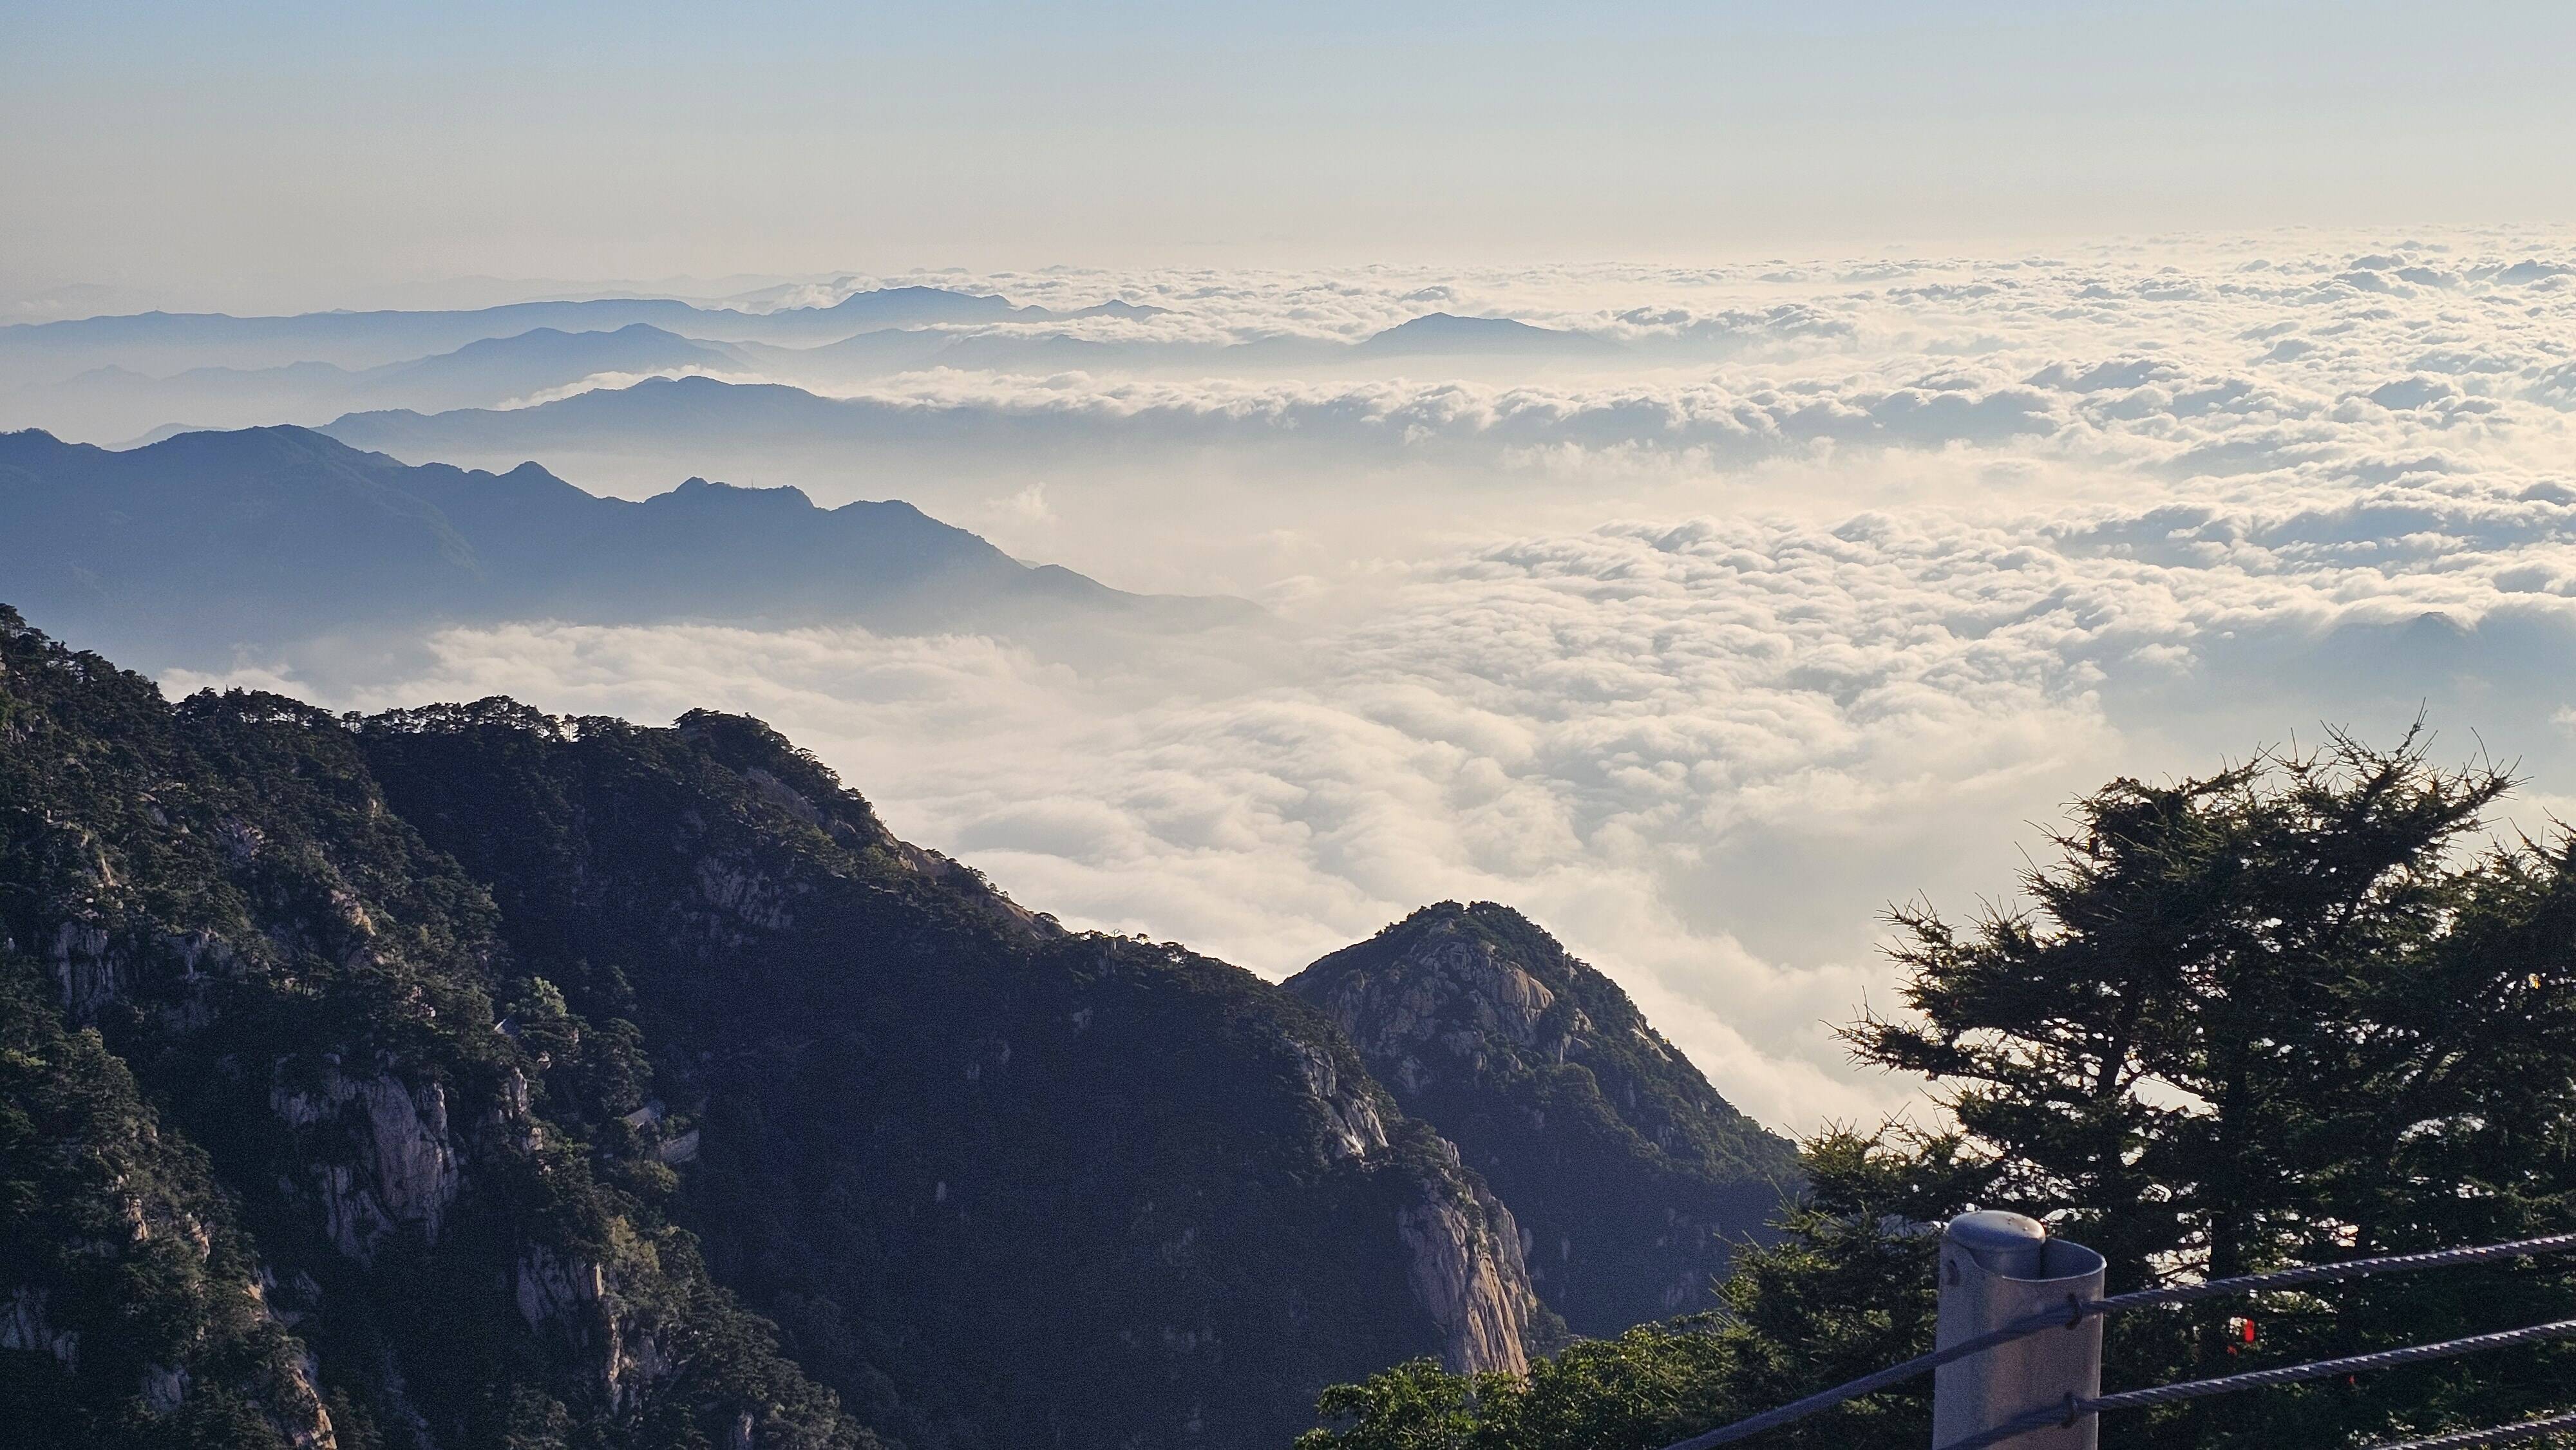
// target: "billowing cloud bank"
[[1700, 658]]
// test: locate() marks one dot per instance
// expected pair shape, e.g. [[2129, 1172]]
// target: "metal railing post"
[[1996, 1268]]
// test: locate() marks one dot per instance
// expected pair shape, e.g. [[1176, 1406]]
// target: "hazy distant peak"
[[1121, 307], [926, 302], [537, 335], [109, 372], [637, 345], [1447, 332]]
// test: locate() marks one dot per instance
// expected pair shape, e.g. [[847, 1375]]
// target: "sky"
[[258, 156]]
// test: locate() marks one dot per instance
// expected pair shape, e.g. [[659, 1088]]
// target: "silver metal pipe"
[[1997, 1268]]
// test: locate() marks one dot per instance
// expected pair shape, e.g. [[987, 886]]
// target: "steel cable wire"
[[2072, 1409], [2275, 1279], [2493, 1435], [1894, 1374], [2332, 1273]]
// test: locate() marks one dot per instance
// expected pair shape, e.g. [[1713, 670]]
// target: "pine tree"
[[2258, 1019]]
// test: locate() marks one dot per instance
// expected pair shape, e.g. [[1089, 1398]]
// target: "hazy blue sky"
[[267, 147]]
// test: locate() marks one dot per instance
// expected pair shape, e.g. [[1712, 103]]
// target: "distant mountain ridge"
[[106, 401], [367, 339], [207, 540], [1433, 335], [761, 425], [117, 378]]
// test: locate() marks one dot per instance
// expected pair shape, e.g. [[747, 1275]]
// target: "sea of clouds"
[[1828, 591]]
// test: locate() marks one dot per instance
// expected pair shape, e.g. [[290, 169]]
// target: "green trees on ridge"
[[2299, 1010]]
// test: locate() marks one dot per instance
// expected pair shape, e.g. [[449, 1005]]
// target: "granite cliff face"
[[1629, 1177], [1466, 1269]]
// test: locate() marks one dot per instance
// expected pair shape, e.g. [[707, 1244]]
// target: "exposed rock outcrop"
[[401, 1166], [135, 1288], [1466, 1270], [551, 1290], [1353, 1127], [23, 1325]]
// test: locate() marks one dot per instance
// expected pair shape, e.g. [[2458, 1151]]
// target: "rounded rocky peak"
[[703, 491], [1493, 931], [1483, 917]]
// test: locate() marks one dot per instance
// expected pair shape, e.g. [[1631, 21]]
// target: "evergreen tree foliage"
[[123, 1263]]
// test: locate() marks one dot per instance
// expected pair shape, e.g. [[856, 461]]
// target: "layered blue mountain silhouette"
[[484, 373], [154, 341], [211, 540], [147, 376]]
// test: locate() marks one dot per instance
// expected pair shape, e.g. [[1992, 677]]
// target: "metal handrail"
[[2261, 1379], [2078, 1310]]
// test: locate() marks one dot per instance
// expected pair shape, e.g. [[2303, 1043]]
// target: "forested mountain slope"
[[285, 1158], [488, 1045], [1001, 1183]]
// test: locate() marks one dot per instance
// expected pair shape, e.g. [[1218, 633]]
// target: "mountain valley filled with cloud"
[[1703, 616], [1148, 726]]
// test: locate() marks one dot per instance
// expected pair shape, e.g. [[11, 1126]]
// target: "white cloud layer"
[[1701, 663]]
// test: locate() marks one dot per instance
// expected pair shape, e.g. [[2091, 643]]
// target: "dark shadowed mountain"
[[471, 1078], [1442, 334], [207, 540], [279, 1174], [1630, 1175]]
